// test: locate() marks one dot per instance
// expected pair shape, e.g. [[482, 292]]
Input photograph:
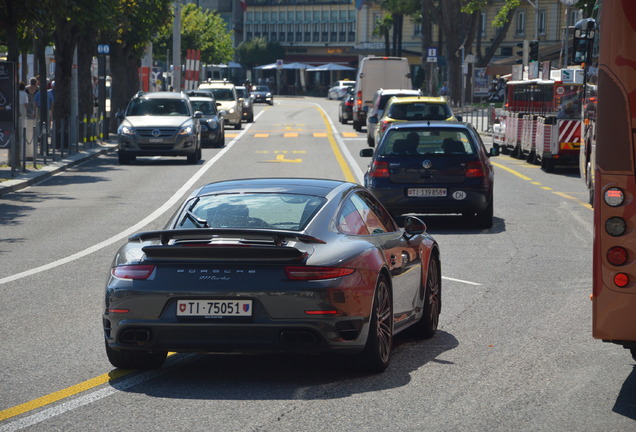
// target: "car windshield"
[[207, 107], [419, 111], [223, 94], [262, 89], [427, 141], [258, 210], [157, 107]]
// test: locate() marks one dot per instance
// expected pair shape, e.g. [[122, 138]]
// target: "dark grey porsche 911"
[[273, 265]]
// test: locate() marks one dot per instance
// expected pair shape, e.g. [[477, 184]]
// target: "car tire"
[[427, 325], [376, 355], [123, 158], [132, 359], [221, 141], [483, 219], [370, 141], [250, 119], [238, 126], [547, 165], [272, 102], [195, 157]]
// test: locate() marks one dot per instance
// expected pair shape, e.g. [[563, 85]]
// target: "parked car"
[[340, 89], [345, 108], [273, 265], [159, 124], [262, 93], [212, 124], [228, 100], [433, 167], [247, 101], [375, 73], [399, 109], [380, 98]]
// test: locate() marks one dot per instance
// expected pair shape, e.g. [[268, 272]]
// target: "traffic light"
[[533, 54]]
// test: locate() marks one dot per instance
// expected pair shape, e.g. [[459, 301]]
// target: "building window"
[[506, 51], [482, 25], [377, 19], [520, 29], [417, 29], [573, 17], [541, 27]]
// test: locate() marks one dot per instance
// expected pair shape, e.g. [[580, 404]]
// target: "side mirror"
[[494, 151], [373, 119], [198, 114], [222, 113], [119, 115], [414, 226], [366, 152], [459, 118]]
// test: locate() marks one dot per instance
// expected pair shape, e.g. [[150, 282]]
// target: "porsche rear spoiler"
[[244, 235], [226, 244]]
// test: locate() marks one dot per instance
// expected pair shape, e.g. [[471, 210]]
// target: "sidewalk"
[[21, 180]]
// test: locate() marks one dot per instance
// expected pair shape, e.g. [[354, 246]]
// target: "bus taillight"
[[614, 197], [616, 256], [615, 226], [621, 280]]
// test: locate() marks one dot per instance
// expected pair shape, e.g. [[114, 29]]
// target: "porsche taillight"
[[379, 169], [135, 272], [316, 273]]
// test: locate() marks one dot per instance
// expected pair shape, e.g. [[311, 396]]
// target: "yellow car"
[[413, 108]]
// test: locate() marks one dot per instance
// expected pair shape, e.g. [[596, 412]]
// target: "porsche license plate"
[[214, 308], [426, 192]]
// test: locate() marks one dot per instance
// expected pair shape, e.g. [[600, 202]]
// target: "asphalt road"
[[514, 350]]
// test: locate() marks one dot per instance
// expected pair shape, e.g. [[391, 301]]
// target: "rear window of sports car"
[[257, 210]]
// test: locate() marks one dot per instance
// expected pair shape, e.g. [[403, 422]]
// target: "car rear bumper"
[[458, 200]]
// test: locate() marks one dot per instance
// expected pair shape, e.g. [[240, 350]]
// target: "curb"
[[26, 179]]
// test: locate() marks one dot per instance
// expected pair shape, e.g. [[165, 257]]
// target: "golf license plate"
[[426, 192], [214, 308]]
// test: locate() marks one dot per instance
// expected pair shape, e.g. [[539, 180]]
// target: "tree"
[[383, 28], [200, 29], [132, 25], [258, 51]]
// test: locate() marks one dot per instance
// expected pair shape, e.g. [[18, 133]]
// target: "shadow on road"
[[281, 377]]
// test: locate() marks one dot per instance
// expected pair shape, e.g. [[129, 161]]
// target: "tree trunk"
[[85, 53], [65, 38]]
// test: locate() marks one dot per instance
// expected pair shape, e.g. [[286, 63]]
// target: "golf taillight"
[[475, 169], [136, 272], [379, 169], [316, 273]]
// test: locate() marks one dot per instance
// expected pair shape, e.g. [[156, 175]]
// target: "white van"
[[375, 73]]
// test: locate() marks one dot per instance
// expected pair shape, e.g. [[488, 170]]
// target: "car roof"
[[399, 91], [316, 187], [215, 84], [430, 124], [202, 98], [427, 99], [161, 95]]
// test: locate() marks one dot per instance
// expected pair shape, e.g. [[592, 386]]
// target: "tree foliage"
[[200, 29], [258, 51]]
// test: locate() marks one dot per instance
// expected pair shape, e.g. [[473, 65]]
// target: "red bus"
[[610, 117]]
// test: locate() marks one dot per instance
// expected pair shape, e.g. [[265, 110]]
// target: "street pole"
[[176, 47]]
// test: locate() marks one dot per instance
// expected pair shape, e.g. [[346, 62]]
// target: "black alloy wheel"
[[377, 352]]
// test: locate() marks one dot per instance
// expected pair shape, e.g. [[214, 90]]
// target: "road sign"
[[103, 49], [431, 55]]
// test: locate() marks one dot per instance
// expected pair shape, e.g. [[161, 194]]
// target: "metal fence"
[[48, 143]]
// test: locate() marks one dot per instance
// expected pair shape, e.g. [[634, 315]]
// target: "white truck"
[[375, 73]]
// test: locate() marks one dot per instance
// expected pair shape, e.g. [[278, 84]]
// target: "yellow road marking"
[[261, 135], [62, 394], [547, 188], [346, 170], [511, 171], [290, 134], [320, 134], [281, 158], [350, 134]]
